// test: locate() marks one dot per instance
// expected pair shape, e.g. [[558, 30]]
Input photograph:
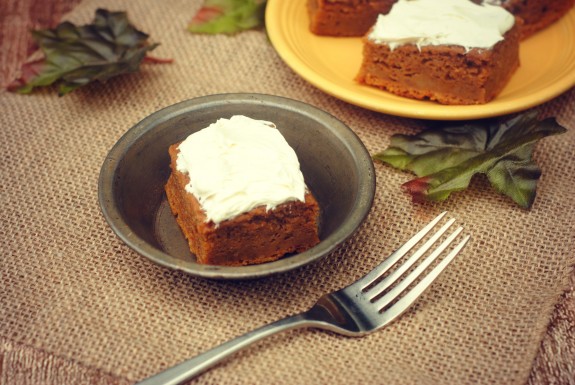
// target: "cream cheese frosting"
[[442, 22], [238, 164]]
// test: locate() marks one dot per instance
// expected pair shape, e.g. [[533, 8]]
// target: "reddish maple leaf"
[[417, 188], [228, 16], [29, 71], [206, 14]]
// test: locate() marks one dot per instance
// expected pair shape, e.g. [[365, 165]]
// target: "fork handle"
[[198, 364]]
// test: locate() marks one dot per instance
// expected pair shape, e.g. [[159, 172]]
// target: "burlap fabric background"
[[78, 306]]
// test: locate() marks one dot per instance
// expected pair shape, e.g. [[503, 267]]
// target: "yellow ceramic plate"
[[547, 67]]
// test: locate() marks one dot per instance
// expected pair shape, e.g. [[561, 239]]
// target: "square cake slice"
[[463, 58], [535, 14], [252, 236], [345, 17]]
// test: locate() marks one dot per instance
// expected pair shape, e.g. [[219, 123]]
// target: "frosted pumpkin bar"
[[456, 53], [535, 14], [238, 194]]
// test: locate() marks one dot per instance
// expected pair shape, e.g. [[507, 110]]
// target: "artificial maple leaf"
[[75, 56], [445, 158], [228, 16]]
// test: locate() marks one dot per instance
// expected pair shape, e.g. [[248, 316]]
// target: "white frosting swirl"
[[442, 22], [238, 164]]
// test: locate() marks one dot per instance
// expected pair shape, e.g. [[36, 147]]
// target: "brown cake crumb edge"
[[255, 237]]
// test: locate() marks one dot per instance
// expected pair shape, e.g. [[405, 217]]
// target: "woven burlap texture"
[[73, 292]]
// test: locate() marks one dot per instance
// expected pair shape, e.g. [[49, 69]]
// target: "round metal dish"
[[336, 166]]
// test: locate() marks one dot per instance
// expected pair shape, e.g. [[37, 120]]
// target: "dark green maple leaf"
[[228, 16], [445, 158], [75, 56]]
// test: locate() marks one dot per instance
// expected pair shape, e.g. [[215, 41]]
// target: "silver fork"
[[363, 307]]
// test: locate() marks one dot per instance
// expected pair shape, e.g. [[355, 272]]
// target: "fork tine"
[[374, 291], [401, 286], [383, 267], [408, 299]]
